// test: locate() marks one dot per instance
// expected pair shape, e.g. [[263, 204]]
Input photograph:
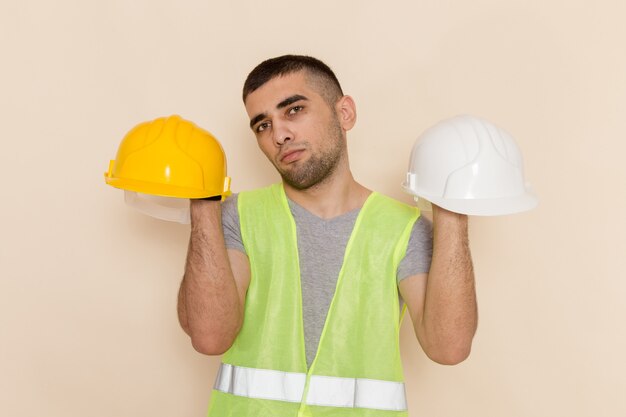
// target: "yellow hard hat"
[[170, 157]]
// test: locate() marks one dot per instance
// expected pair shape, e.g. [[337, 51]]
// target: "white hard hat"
[[469, 166]]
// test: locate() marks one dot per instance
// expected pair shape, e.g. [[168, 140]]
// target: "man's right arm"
[[212, 293]]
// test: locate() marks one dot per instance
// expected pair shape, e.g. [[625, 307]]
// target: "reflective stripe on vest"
[[329, 391]]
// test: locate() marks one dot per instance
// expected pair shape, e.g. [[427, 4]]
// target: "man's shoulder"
[[255, 192], [255, 200], [231, 202], [390, 203], [234, 197]]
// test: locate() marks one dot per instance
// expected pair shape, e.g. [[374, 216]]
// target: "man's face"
[[296, 129]]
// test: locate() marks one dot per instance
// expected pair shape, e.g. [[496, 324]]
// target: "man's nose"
[[282, 134]]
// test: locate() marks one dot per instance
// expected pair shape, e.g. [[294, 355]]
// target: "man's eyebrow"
[[290, 100], [286, 102], [257, 119]]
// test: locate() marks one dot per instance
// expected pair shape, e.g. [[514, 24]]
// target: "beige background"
[[88, 286]]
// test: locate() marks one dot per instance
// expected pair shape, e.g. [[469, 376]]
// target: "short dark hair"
[[267, 70]]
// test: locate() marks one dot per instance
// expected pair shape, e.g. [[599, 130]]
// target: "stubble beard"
[[319, 167]]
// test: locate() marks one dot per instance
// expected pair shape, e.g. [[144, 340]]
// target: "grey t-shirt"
[[321, 247]]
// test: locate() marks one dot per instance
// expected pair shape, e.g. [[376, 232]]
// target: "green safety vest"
[[357, 370]]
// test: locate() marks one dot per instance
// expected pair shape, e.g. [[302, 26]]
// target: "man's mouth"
[[291, 155]]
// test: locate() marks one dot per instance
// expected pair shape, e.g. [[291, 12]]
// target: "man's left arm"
[[442, 303]]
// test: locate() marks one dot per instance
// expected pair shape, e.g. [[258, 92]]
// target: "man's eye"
[[295, 109], [261, 127]]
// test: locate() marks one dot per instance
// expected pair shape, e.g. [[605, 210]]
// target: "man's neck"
[[337, 195]]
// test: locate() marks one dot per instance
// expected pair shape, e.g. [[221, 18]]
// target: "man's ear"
[[346, 112]]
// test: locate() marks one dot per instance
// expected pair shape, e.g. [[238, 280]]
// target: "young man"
[[303, 295]]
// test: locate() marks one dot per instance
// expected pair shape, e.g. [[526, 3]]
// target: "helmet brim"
[[162, 190], [483, 206]]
